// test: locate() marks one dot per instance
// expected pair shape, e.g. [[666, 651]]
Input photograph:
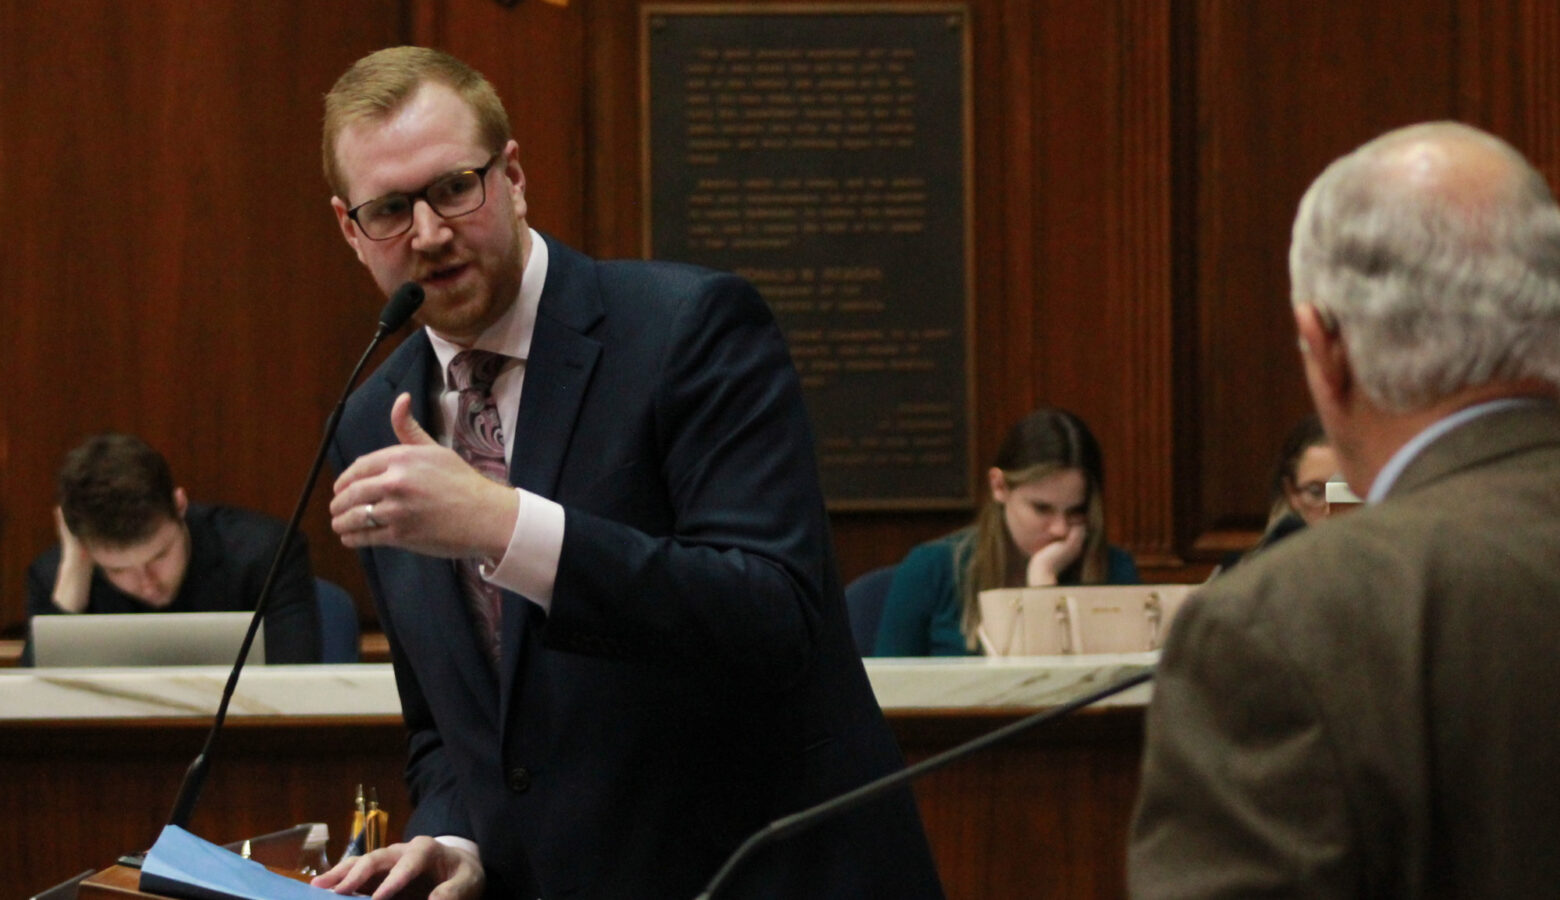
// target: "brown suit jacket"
[[1372, 709]]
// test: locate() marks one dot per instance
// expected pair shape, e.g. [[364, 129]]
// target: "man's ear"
[[348, 227], [516, 176], [181, 501], [1323, 352]]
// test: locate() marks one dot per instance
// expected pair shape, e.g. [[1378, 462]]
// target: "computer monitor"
[[142, 639]]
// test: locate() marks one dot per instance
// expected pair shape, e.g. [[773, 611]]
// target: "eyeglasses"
[[1312, 493], [451, 196]]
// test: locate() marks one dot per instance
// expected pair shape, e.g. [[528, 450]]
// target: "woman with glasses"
[[1305, 464], [1044, 525], [1298, 496]]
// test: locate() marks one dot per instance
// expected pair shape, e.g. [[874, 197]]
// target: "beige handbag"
[[1050, 621]]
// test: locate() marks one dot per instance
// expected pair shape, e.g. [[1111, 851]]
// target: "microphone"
[[400, 307], [397, 310], [800, 821]]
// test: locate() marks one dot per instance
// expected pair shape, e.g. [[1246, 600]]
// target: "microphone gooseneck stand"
[[400, 307], [828, 809]]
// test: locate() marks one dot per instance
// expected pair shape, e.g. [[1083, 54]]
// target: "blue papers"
[[182, 865]]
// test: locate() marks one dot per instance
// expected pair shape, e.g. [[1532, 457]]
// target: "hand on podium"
[[446, 872]]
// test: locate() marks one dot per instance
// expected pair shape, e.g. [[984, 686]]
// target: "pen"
[[376, 823], [357, 845]]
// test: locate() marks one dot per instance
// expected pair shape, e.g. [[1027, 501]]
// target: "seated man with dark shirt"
[[131, 542]]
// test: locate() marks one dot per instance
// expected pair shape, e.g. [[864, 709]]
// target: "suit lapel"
[[557, 372], [442, 602], [556, 376]]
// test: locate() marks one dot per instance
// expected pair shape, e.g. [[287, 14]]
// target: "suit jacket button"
[[518, 780]]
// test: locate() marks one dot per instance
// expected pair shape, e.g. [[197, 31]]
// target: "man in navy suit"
[[651, 659]]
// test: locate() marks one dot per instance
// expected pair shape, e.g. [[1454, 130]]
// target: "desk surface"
[[369, 689]]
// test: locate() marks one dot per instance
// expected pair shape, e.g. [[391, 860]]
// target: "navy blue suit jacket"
[[695, 678]]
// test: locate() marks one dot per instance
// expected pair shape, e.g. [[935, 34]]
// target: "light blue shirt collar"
[[1409, 451]]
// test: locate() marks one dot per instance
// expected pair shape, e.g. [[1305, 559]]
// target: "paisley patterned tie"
[[479, 440]]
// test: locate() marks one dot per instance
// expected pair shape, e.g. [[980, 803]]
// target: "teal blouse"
[[921, 613]]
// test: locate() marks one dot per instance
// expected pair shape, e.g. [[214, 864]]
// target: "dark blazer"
[[695, 678], [1369, 708], [230, 554]]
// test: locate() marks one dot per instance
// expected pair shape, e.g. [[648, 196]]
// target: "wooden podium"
[[113, 882], [283, 852]]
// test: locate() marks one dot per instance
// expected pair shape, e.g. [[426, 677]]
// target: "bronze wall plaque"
[[823, 153]]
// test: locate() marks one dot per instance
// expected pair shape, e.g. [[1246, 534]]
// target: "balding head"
[[1464, 164], [1435, 250]]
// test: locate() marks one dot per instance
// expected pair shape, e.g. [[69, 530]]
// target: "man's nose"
[[429, 229], [145, 580]]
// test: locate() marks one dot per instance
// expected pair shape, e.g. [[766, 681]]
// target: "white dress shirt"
[[529, 566]]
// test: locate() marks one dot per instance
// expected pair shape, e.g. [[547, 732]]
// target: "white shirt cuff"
[[530, 564], [460, 843]]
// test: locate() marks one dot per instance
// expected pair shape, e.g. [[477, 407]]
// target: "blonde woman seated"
[[1044, 525]]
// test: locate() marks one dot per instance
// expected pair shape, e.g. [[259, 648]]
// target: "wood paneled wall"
[[174, 269], [170, 266], [1281, 89]]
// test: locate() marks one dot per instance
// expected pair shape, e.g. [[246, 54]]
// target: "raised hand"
[[421, 496], [73, 582], [1048, 563]]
